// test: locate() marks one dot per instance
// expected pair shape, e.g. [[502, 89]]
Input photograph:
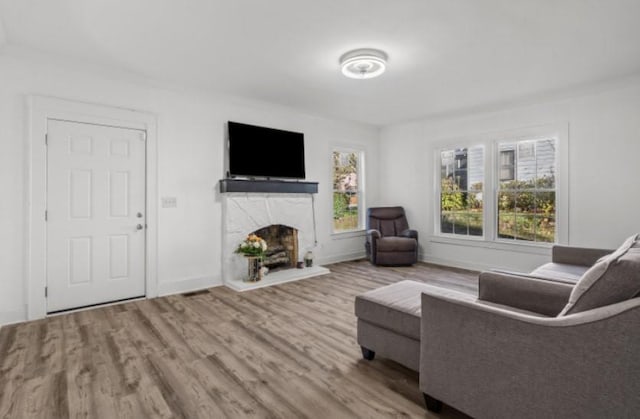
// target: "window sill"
[[340, 235], [530, 248]]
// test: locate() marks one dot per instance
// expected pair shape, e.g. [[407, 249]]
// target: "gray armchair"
[[502, 356], [389, 239]]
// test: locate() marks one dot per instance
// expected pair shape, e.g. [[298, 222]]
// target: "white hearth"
[[244, 213]]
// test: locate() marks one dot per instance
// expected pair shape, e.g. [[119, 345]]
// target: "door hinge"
[[46, 139], [46, 291], [46, 215]]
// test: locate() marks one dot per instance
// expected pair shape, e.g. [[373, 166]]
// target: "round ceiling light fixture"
[[363, 63]]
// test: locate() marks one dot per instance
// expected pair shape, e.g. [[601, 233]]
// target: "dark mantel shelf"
[[268, 186]]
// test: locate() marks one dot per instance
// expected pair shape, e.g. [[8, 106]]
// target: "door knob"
[[139, 215], [139, 227]]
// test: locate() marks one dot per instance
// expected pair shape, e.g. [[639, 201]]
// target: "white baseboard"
[[456, 263], [13, 316], [327, 260], [188, 285]]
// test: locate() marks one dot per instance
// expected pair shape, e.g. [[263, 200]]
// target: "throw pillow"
[[614, 278]]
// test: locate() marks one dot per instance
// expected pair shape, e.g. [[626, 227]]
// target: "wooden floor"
[[285, 351]]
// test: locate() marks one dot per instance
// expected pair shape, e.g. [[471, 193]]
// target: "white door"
[[95, 214]]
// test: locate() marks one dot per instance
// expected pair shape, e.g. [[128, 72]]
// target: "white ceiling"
[[444, 55]]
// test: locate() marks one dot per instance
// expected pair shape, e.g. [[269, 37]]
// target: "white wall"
[[604, 150], [191, 155]]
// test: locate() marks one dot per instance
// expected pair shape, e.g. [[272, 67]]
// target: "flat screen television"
[[260, 152]]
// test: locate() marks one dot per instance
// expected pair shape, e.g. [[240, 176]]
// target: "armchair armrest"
[[412, 234], [571, 255], [373, 234], [491, 362], [523, 291]]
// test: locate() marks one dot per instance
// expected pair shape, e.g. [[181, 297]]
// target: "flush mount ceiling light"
[[363, 63]]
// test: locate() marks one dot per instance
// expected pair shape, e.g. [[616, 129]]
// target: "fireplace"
[[282, 246], [284, 220]]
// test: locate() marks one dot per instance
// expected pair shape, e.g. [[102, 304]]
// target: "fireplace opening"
[[282, 246]]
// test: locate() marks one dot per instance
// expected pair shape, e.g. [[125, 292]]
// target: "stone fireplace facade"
[[266, 214]]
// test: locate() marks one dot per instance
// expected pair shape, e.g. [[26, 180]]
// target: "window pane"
[[545, 229], [475, 211], [545, 203], [506, 225], [345, 171], [446, 222], [345, 211], [346, 205], [461, 183], [527, 204], [506, 215], [546, 157], [475, 168], [460, 223], [525, 227], [507, 164]]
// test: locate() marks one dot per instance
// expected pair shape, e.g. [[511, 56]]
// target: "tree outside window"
[[347, 193]]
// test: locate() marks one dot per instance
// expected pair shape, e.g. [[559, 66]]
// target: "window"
[[461, 184], [348, 197], [526, 203], [507, 164], [514, 194]]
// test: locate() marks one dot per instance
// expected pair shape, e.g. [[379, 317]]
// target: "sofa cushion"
[[612, 279], [560, 272], [396, 244], [394, 307]]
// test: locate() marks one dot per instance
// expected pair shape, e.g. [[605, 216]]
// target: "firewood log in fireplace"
[[272, 250], [276, 260]]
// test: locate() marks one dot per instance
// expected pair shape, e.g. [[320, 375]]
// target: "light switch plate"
[[169, 202]]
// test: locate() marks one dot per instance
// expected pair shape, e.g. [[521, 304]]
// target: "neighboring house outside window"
[[348, 194], [507, 164], [521, 187], [461, 184]]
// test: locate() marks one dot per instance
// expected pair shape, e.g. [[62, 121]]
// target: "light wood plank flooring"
[[287, 351]]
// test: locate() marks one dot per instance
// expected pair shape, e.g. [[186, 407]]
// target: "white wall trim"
[[13, 316], [41, 109], [327, 260], [188, 285], [456, 263]]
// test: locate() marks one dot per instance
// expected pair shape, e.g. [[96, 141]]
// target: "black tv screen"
[[265, 152]]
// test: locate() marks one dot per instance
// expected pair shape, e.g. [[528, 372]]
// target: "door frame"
[[41, 109]]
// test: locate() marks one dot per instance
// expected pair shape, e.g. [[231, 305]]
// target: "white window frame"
[[491, 141], [361, 192]]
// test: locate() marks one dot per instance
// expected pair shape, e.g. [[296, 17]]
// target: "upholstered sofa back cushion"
[[614, 278]]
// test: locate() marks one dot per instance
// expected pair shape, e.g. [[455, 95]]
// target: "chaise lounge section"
[[532, 345]]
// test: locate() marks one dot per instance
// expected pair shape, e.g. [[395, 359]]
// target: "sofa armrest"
[[582, 256], [491, 362], [412, 234], [524, 292]]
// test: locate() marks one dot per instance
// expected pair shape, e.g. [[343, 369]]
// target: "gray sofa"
[[509, 353]]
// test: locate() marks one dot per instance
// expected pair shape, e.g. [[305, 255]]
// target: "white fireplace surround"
[[244, 213]]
